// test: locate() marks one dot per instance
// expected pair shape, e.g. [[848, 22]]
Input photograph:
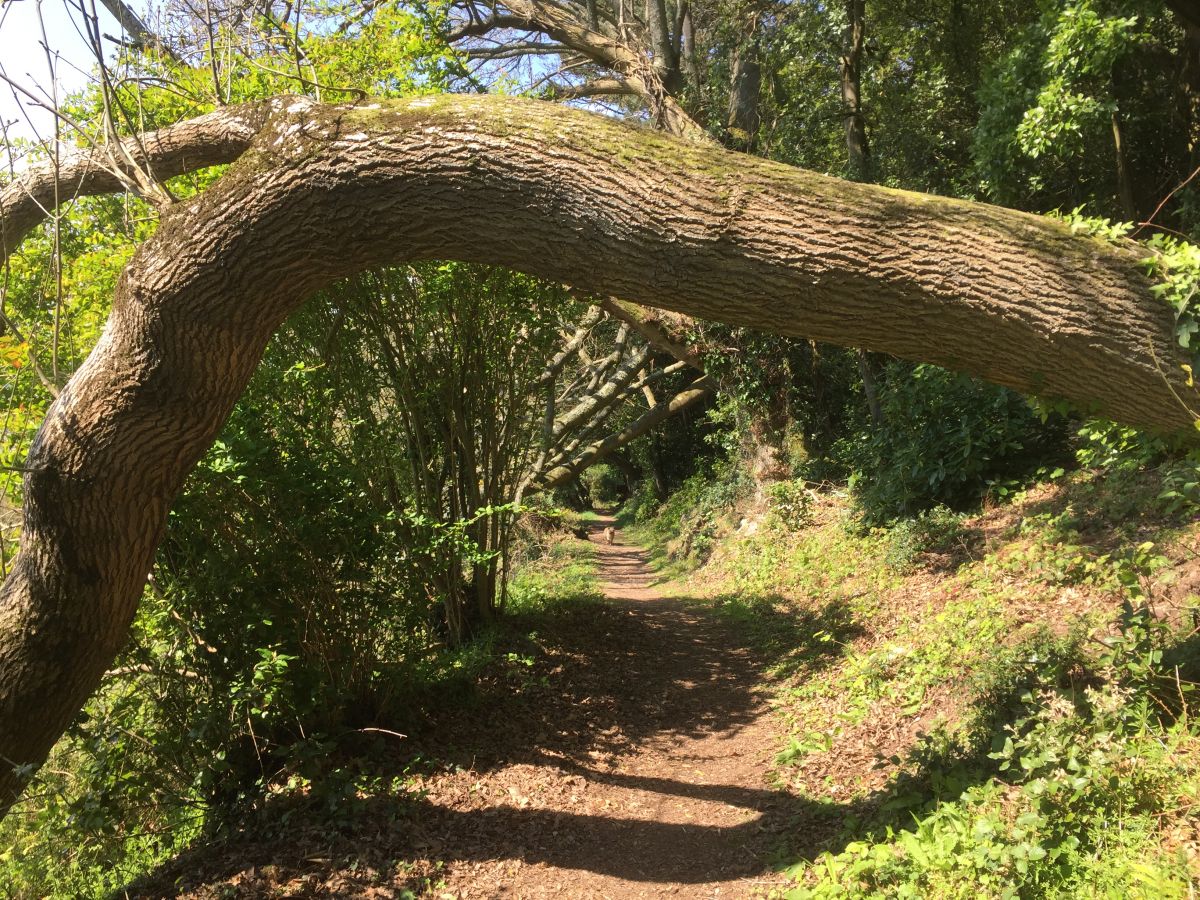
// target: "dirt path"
[[630, 759], [666, 793]]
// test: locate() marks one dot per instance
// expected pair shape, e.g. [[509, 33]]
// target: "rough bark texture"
[[324, 192], [210, 140], [745, 85]]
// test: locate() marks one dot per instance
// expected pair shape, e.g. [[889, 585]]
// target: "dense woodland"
[[394, 504]]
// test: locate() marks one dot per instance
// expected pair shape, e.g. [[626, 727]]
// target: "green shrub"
[[1104, 445], [948, 440], [1094, 759], [1180, 488], [790, 502], [605, 485], [641, 507], [937, 530], [689, 520]]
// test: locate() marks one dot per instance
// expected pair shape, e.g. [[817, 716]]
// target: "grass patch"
[[998, 703], [565, 574]]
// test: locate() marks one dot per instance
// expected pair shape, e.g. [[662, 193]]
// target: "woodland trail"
[[631, 760], [673, 798]]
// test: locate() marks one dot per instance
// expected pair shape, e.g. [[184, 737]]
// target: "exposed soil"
[[631, 761]]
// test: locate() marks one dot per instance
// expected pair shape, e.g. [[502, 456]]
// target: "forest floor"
[[629, 758]]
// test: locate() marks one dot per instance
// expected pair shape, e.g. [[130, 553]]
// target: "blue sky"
[[23, 57]]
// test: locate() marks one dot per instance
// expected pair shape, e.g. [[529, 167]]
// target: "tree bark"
[[870, 389], [594, 453], [851, 75], [858, 151], [653, 326], [638, 67], [209, 140], [745, 85], [138, 32], [324, 192]]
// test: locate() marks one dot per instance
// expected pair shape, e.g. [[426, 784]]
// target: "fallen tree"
[[318, 193]]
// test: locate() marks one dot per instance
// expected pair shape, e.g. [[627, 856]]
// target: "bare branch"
[[481, 27], [513, 50], [209, 140], [600, 87], [693, 394], [664, 330], [139, 34]]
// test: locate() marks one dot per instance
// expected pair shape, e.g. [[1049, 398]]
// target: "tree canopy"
[[232, 168]]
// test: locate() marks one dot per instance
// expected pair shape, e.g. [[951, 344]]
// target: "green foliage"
[[692, 516], [1084, 45], [1176, 264], [642, 505], [1069, 763], [566, 574], [1106, 445], [237, 688], [948, 440], [605, 485], [937, 530], [1084, 773], [793, 397], [1050, 104], [790, 502], [1180, 494]]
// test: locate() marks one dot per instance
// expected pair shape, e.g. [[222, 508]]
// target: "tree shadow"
[[606, 680], [966, 546], [792, 641], [400, 840], [1107, 511], [401, 837], [581, 688], [600, 679]]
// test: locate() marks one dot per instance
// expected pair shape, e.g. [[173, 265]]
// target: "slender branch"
[[209, 140], [698, 390], [139, 34]]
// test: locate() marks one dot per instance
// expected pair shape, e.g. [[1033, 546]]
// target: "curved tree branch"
[[209, 140], [594, 453], [324, 192], [637, 67]]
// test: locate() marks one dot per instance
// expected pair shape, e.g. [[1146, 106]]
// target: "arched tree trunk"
[[323, 192]]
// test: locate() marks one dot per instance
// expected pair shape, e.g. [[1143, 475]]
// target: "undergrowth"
[[998, 703], [72, 813]]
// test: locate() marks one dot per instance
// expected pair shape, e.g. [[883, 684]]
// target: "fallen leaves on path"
[[631, 762]]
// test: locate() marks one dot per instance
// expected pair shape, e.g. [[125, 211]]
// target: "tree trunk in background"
[[851, 76], [1124, 177], [858, 151], [324, 192], [870, 388], [745, 85]]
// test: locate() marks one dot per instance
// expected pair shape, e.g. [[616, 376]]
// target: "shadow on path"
[[628, 758]]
